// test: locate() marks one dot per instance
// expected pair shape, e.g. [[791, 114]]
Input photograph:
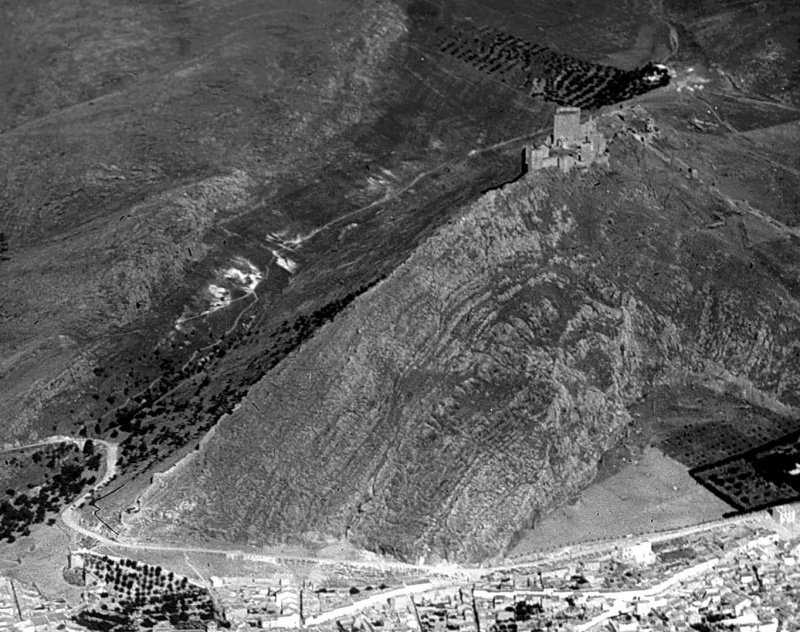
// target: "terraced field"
[[757, 479], [540, 72]]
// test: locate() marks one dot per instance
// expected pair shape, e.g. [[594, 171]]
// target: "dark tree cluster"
[[539, 71], [142, 594], [19, 510], [4, 247], [104, 621], [160, 421]]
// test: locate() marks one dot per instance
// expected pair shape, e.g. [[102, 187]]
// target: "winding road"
[[71, 518], [438, 576]]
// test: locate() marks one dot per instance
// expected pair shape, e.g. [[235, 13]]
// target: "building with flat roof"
[[566, 126], [572, 144], [784, 514], [641, 553]]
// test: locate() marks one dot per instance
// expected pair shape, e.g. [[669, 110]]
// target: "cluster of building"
[[741, 575], [445, 609], [282, 602], [572, 144], [259, 602], [754, 588], [24, 609]]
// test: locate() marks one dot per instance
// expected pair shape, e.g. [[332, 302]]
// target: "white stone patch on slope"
[[290, 243], [690, 81], [656, 77], [242, 275], [385, 181], [246, 274], [284, 262], [221, 297]]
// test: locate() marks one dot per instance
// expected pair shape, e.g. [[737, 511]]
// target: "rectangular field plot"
[[698, 427], [760, 478], [698, 444]]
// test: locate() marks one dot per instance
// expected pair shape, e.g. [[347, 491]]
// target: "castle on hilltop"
[[572, 144]]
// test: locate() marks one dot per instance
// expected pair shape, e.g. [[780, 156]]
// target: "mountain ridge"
[[477, 386]]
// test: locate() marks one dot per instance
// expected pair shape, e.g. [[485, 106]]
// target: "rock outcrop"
[[478, 385]]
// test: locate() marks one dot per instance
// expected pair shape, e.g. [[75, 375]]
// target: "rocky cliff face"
[[480, 382]]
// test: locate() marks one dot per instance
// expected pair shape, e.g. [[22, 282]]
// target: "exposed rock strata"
[[481, 381]]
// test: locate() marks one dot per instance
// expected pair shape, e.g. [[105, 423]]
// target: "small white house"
[[641, 553]]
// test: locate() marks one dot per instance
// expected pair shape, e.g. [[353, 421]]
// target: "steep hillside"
[[479, 384], [754, 46], [128, 134], [156, 156], [318, 171]]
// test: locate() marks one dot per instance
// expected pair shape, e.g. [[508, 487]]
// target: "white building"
[[288, 602], [641, 553], [785, 514], [77, 559]]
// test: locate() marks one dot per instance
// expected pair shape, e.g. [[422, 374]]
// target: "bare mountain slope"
[[149, 148], [478, 385], [128, 133]]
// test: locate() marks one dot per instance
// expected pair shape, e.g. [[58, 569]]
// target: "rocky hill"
[[421, 366], [478, 385]]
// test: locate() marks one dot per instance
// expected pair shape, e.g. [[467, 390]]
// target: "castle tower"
[[566, 126], [535, 158], [565, 162]]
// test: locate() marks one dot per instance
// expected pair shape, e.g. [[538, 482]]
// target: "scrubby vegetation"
[[130, 594], [126, 197], [147, 423], [37, 484]]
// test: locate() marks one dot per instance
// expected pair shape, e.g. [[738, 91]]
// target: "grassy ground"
[[191, 564], [653, 493], [40, 559], [146, 127]]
